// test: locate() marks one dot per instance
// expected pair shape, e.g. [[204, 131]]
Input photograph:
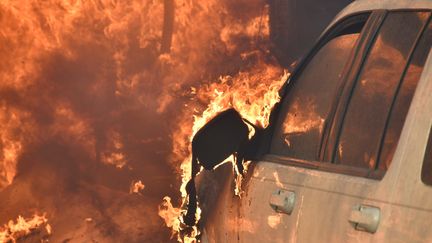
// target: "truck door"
[[271, 208], [328, 175], [346, 207]]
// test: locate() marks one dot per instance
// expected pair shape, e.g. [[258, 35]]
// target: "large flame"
[[36, 35], [90, 101]]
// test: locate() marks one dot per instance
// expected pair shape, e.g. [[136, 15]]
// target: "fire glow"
[[94, 104]]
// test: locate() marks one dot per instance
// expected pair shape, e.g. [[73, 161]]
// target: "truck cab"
[[349, 156]]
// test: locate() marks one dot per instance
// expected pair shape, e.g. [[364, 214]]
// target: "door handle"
[[365, 218], [282, 201]]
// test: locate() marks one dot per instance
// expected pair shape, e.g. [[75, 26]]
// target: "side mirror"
[[219, 138], [222, 136]]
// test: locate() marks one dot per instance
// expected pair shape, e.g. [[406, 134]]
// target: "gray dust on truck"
[[290, 199]]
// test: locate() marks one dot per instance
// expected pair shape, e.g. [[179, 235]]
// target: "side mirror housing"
[[222, 136], [219, 138]]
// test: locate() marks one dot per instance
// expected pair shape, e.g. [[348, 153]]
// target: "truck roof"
[[368, 5]]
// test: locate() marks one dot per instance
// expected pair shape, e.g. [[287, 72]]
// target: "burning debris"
[[13, 232]]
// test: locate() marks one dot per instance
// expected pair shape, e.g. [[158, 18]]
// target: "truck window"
[[426, 173], [403, 99], [306, 106], [374, 93]]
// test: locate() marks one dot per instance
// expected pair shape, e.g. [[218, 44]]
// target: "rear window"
[[403, 100], [376, 90]]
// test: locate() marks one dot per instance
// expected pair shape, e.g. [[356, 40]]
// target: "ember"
[[136, 187]]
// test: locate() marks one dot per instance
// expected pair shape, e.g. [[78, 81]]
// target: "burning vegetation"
[[99, 98]]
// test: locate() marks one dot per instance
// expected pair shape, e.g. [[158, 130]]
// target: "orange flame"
[[252, 93]]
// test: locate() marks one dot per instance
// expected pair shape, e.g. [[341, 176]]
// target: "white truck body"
[[326, 204]]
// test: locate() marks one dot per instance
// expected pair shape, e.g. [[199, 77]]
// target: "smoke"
[[89, 104]]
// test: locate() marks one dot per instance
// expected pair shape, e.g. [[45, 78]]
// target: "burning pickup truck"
[[347, 155]]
